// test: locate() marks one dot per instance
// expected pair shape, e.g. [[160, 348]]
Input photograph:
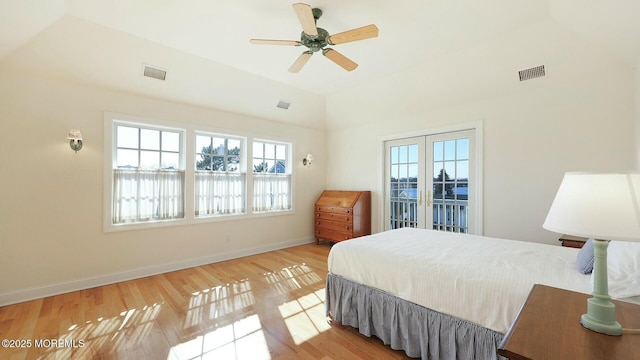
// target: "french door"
[[430, 182]]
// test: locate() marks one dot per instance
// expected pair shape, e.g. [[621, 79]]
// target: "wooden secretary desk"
[[342, 215]]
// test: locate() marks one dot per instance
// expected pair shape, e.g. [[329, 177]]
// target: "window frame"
[[288, 171], [188, 161], [111, 122], [242, 169]]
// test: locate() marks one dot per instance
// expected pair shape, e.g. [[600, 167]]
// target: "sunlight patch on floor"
[[129, 328], [292, 278], [305, 317], [244, 339], [216, 302]]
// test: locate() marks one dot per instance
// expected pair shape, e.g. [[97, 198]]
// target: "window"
[[148, 179], [160, 173], [271, 176], [220, 182]]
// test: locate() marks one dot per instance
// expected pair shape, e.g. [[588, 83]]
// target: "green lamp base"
[[598, 326], [601, 312]]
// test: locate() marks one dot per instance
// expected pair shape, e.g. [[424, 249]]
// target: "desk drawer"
[[332, 235], [334, 210], [334, 225], [320, 215]]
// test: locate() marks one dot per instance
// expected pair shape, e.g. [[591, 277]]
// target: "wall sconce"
[[75, 139], [307, 160]]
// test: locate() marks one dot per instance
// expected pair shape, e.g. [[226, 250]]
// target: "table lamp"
[[602, 206]]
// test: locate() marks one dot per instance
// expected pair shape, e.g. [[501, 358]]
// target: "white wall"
[[579, 117], [51, 205]]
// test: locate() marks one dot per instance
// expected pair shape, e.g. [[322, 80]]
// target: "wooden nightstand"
[[572, 241], [548, 327]]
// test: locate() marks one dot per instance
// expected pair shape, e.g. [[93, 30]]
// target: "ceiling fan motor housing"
[[315, 43]]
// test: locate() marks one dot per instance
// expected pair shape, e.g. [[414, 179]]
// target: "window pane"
[[259, 166], [269, 151], [127, 137], [170, 160], [218, 163], [170, 141], [270, 166], [281, 152], [127, 158], [149, 159], [149, 139], [233, 164], [233, 146], [203, 143], [258, 149], [218, 146]]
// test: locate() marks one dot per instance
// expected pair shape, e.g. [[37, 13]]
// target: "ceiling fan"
[[317, 39]]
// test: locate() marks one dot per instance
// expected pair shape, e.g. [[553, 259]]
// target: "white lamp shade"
[[597, 205]]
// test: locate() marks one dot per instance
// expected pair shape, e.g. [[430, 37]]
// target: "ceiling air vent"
[[532, 73], [283, 104], [153, 72]]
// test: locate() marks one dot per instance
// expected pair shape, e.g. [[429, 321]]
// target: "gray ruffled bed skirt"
[[403, 325]]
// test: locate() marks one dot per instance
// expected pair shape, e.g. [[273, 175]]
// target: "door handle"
[[420, 199], [429, 198]]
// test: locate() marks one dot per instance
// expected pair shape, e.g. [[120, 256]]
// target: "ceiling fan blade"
[[300, 61], [339, 59], [361, 33], [305, 15], [275, 42]]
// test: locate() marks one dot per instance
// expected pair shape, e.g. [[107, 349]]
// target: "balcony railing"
[[448, 215]]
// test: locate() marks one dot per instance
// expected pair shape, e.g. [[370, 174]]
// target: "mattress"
[[479, 279]]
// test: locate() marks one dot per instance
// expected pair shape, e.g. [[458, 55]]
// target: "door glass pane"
[[462, 170], [413, 154], [451, 185], [403, 186], [450, 150], [462, 147], [438, 151]]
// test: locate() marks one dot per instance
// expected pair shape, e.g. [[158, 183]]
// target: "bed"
[[439, 295]]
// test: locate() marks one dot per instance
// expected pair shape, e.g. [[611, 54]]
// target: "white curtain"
[[271, 192], [219, 193], [144, 195]]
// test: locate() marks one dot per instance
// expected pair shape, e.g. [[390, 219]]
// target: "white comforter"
[[480, 279]]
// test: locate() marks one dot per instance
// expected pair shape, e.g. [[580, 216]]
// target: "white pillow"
[[623, 269]]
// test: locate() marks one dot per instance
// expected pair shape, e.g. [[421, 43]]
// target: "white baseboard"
[[14, 297]]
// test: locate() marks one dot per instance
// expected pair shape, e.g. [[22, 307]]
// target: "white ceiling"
[[216, 34]]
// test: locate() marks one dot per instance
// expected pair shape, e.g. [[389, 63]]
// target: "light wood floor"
[[267, 306]]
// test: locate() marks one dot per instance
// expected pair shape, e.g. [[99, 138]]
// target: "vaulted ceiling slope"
[[205, 49]]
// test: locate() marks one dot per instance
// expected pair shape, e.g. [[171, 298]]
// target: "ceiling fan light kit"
[[317, 39]]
